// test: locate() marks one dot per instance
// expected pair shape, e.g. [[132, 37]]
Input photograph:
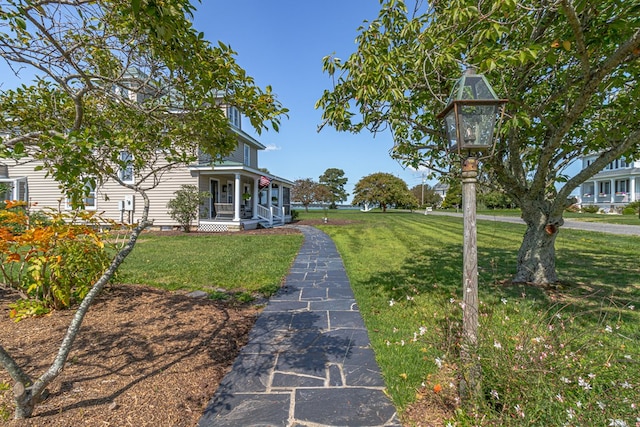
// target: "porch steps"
[[265, 224]]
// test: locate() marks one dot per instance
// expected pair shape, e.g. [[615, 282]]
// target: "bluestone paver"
[[308, 361]]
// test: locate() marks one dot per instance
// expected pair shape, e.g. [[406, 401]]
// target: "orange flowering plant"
[[52, 263]]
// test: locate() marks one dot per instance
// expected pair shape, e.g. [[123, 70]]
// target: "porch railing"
[[265, 213], [278, 213]]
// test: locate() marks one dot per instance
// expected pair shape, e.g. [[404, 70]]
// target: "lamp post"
[[470, 118]]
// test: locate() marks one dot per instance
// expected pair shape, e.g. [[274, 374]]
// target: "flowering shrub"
[[54, 263]]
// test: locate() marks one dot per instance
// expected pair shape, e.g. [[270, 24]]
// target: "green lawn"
[[569, 355], [565, 355], [236, 263]]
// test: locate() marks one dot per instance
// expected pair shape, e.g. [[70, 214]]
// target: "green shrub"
[[590, 209], [184, 207], [573, 208], [631, 208], [54, 265]]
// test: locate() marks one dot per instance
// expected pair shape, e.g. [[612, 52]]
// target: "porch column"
[[632, 189], [254, 198], [236, 198], [269, 193], [612, 197], [280, 200]]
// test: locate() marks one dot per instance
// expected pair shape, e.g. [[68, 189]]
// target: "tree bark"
[[537, 254]]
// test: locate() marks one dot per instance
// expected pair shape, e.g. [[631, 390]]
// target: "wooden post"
[[470, 383]]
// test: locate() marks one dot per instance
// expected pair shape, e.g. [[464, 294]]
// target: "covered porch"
[[242, 199]]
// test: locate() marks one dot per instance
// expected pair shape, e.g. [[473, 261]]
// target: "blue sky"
[[281, 43]]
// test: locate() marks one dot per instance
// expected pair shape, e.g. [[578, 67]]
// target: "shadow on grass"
[[593, 281]]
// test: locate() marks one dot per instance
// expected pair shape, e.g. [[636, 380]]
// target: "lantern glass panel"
[[476, 87], [477, 124], [450, 128]]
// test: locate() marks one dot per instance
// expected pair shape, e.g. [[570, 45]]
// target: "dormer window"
[[234, 116]]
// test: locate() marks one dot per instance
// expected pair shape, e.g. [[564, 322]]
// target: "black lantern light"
[[470, 114]]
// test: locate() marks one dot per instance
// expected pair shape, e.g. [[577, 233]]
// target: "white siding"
[[44, 192]]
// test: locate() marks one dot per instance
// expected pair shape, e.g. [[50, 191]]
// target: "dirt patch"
[[144, 357]]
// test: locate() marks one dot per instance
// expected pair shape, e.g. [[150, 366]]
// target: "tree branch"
[[576, 27], [10, 365]]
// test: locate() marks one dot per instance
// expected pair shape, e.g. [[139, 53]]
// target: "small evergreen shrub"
[[590, 209], [184, 207]]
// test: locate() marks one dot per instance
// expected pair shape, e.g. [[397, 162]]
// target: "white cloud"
[[272, 147]]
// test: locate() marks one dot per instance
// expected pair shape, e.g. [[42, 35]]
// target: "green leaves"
[[119, 76], [559, 79]]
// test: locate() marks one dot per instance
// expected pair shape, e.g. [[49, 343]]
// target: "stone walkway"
[[308, 361]]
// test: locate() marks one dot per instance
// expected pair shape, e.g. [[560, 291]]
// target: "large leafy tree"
[[569, 69], [426, 195], [304, 192], [114, 76], [383, 189], [335, 181]]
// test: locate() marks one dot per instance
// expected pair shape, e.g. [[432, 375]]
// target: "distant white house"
[[617, 185], [441, 189]]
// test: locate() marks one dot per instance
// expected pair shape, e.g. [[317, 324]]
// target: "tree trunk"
[[28, 394], [537, 254]]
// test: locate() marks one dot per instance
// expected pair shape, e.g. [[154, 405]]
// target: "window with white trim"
[[14, 189], [622, 186], [233, 114], [89, 200], [247, 154], [126, 172], [604, 188]]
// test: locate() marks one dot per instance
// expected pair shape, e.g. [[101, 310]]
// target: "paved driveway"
[[629, 230]]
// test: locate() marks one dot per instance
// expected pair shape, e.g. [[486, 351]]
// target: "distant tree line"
[[380, 189]]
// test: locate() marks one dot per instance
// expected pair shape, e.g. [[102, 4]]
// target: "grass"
[[568, 355], [235, 263]]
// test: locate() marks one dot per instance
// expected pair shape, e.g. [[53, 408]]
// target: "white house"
[[243, 196], [617, 185]]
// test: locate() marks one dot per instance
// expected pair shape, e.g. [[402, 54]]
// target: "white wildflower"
[[608, 329], [584, 384], [494, 394], [423, 330], [560, 398], [392, 302], [497, 344], [439, 363], [617, 423], [503, 300], [571, 413], [626, 385]]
